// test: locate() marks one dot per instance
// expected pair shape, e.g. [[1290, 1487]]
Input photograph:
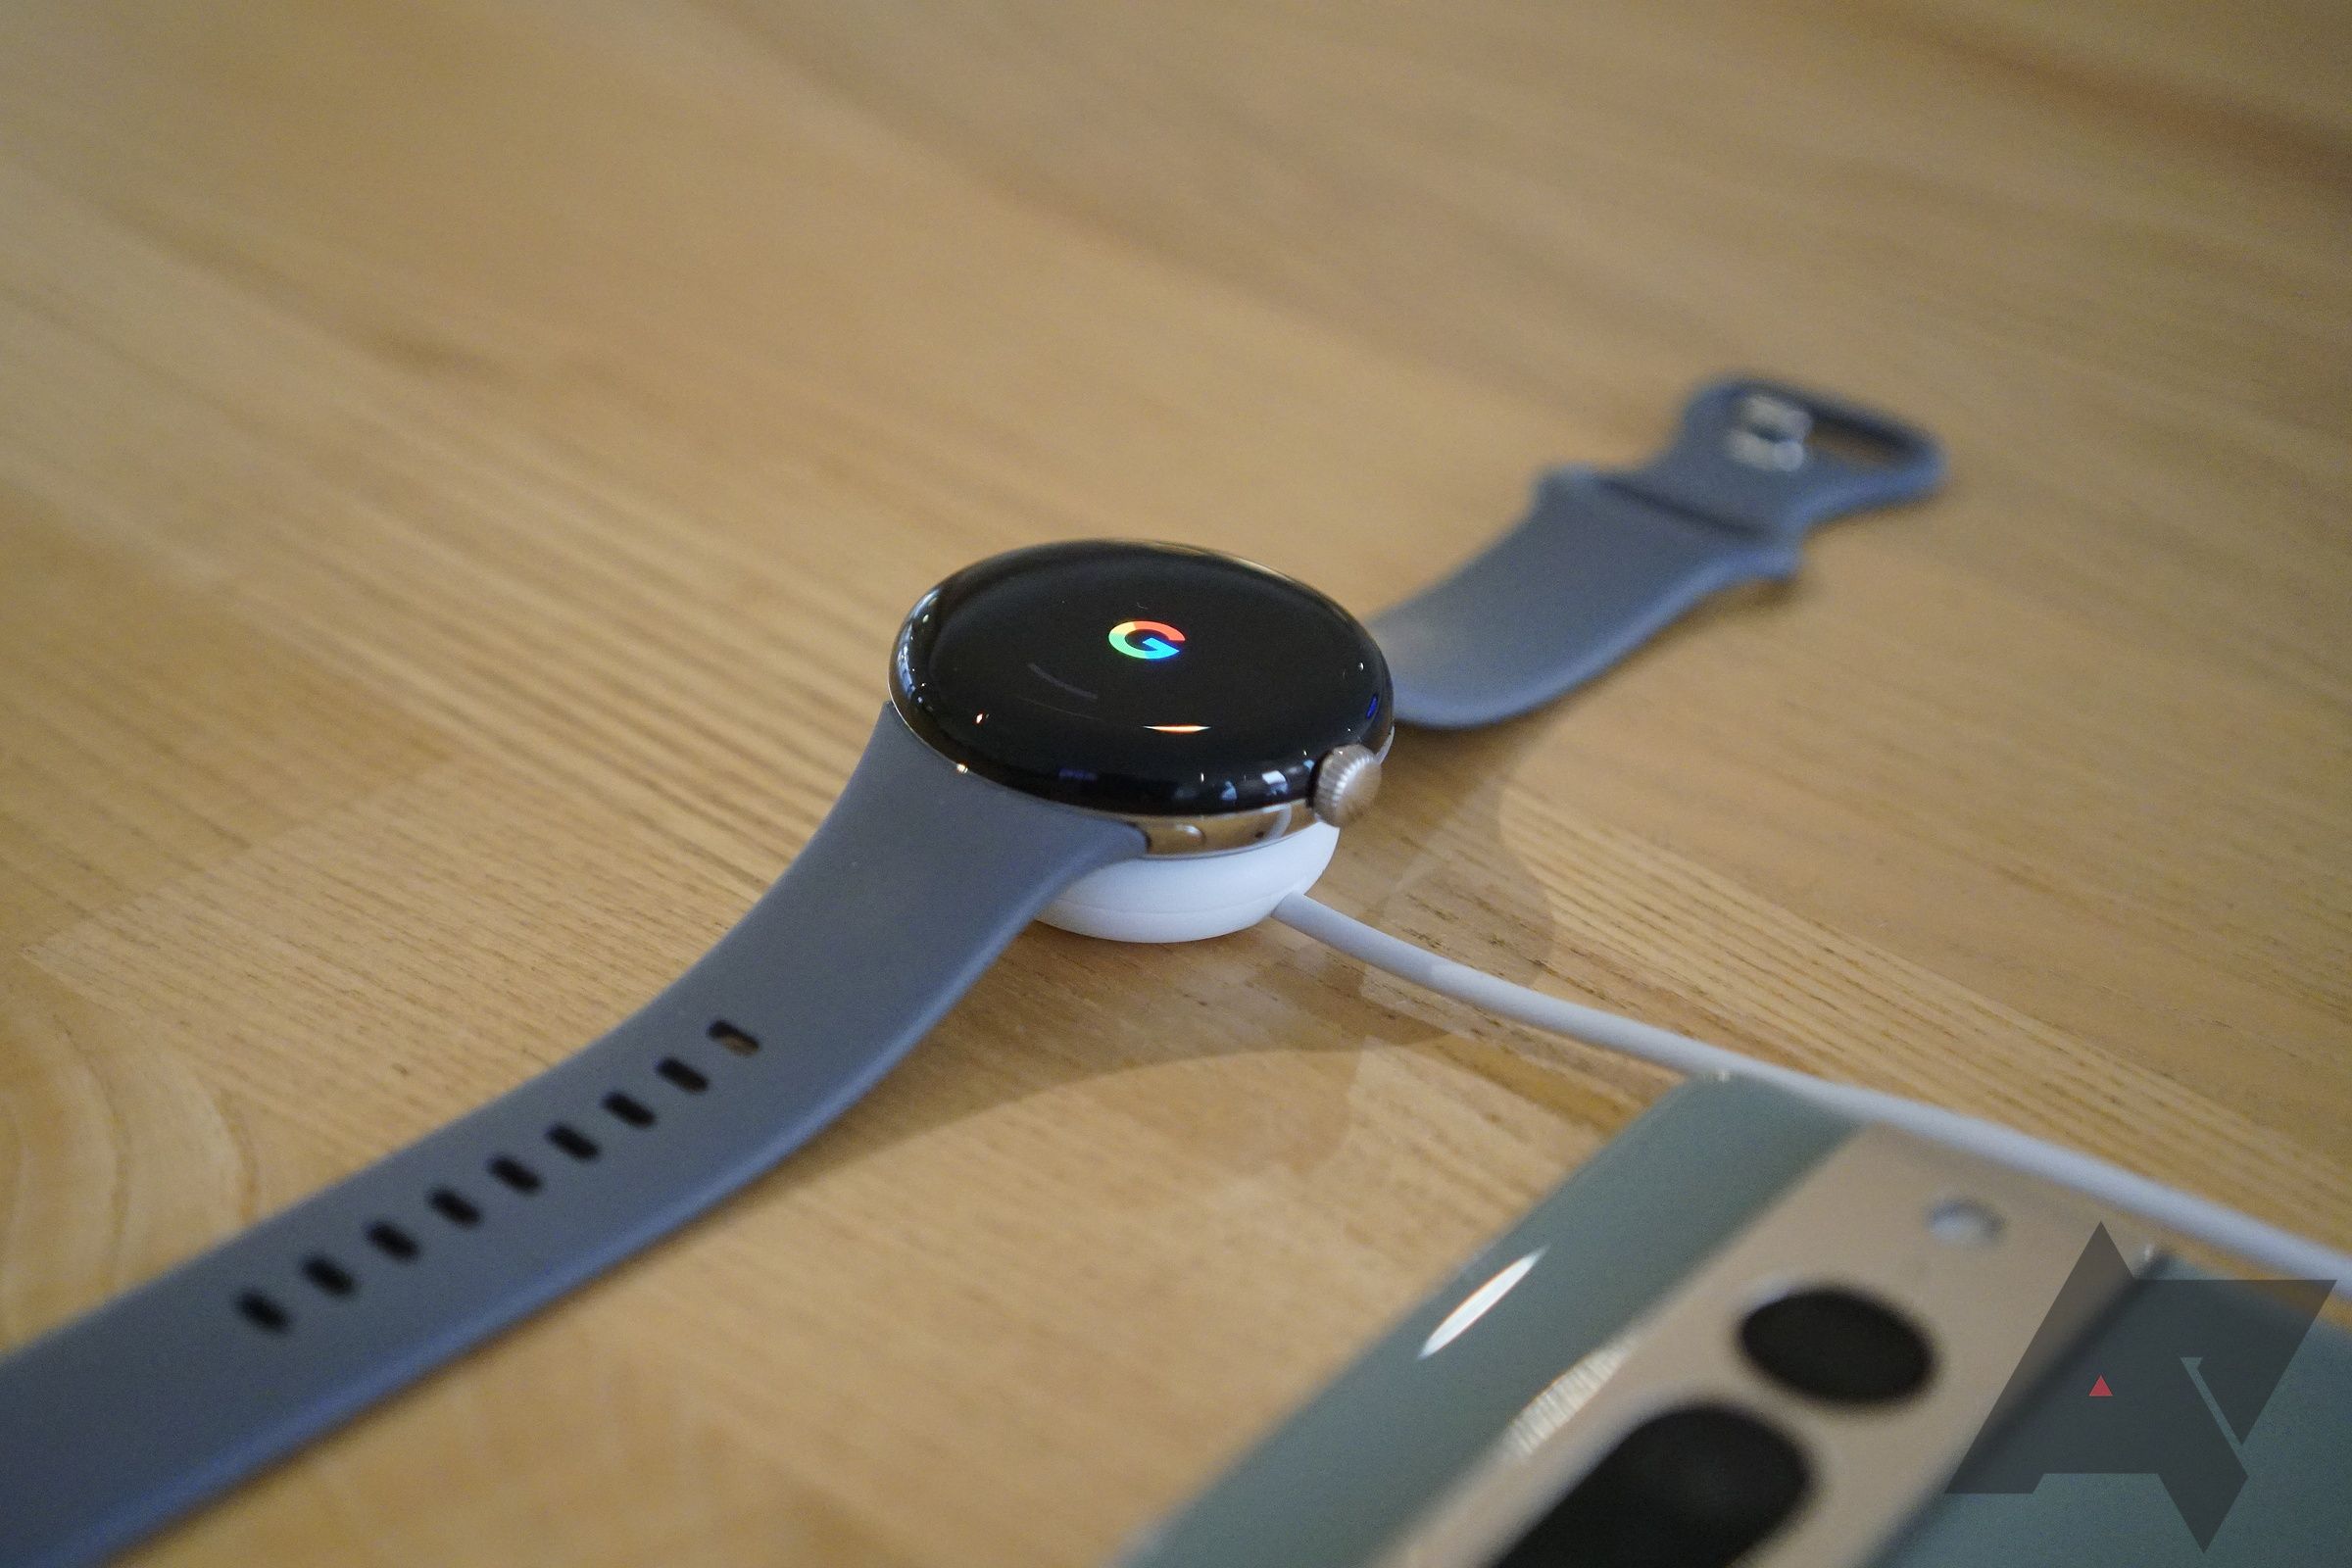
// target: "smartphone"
[[1750, 1332]]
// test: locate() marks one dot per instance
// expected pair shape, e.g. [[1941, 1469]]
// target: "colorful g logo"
[[1163, 643]]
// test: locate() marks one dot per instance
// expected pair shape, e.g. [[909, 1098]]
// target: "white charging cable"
[[2183, 1213]]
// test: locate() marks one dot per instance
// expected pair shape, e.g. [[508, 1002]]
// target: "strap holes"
[[329, 1275], [452, 1206], [685, 1077], [515, 1174], [625, 1109], [391, 1241], [264, 1313], [734, 1039], [572, 1141]]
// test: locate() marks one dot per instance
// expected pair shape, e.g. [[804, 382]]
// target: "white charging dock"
[[1186, 898]]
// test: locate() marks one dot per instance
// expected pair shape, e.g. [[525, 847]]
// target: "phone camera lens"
[[1697, 1487], [1838, 1345]]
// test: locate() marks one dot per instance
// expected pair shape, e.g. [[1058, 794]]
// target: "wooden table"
[[461, 467]]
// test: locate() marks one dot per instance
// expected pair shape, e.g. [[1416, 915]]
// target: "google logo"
[[1163, 643]]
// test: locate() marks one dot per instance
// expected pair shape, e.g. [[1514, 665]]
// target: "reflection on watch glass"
[[1139, 677]]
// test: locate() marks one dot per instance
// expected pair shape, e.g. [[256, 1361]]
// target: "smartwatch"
[[1139, 741]]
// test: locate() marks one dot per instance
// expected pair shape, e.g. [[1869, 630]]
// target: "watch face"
[[1141, 678]]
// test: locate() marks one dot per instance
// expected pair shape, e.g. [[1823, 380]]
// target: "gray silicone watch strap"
[[1603, 561], [121, 1419]]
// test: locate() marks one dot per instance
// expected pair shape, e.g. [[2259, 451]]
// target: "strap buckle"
[[1762, 457]]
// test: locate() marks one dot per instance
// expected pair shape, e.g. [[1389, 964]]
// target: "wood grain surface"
[[461, 467]]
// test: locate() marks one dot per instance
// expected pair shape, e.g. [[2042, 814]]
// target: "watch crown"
[[1347, 783]]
